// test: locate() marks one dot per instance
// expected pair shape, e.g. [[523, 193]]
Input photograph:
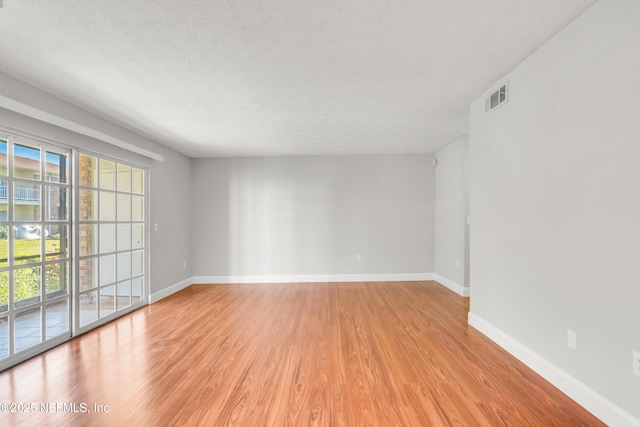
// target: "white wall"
[[555, 208], [170, 180], [170, 204], [451, 210], [288, 216]]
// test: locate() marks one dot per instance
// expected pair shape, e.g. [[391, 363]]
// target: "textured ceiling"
[[278, 77]]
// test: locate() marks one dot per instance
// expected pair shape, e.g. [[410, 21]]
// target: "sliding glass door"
[[62, 274], [34, 253]]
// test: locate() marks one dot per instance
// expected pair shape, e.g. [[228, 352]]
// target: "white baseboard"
[[157, 296], [313, 278], [309, 278], [593, 402], [458, 289]]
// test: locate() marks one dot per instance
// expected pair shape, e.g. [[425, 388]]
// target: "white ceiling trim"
[[52, 119]]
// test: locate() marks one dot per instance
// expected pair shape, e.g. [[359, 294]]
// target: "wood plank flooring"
[[339, 354]]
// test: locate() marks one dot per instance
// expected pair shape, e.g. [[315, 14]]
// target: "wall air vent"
[[497, 98]]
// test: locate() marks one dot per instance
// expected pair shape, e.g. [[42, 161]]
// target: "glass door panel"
[[34, 256], [111, 243]]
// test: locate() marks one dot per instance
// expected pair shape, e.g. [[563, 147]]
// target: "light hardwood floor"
[[339, 354]]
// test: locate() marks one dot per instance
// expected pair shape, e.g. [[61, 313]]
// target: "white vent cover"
[[496, 99]]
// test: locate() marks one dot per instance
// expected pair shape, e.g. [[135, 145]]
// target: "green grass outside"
[[25, 247], [27, 280]]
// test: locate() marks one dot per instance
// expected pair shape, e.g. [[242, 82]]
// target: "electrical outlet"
[[184, 264], [457, 263], [636, 363], [571, 339], [358, 257]]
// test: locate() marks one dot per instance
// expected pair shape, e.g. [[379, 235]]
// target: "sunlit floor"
[[384, 353]]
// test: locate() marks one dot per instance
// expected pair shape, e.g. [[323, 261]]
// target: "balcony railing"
[[20, 194]]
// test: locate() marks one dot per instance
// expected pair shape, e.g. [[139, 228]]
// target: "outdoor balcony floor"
[[28, 324]]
